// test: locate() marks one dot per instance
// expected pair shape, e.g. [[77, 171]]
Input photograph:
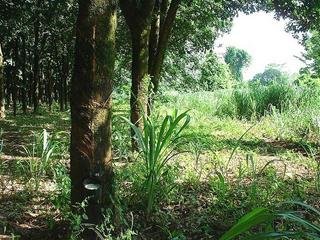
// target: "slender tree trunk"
[[91, 89], [55, 91], [8, 86], [40, 85], [63, 84], [15, 76], [65, 81], [50, 88], [2, 110], [24, 77], [30, 88], [36, 59], [61, 80]]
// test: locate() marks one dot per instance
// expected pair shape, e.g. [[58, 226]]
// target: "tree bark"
[[36, 61], [65, 73], [2, 108], [49, 88], [161, 27], [91, 89], [138, 18], [61, 91], [15, 76], [24, 77], [140, 79]]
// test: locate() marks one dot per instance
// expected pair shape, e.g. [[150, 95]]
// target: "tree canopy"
[[271, 74], [237, 60]]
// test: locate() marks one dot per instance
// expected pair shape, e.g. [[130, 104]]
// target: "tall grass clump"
[[40, 162], [256, 101], [157, 145], [301, 120]]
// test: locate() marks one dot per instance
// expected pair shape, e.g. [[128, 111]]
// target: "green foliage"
[[61, 198], [157, 145], [312, 55], [307, 79], [181, 73], [196, 72], [271, 75], [41, 163], [303, 15], [105, 231], [214, 74], [189, 30], [253, 218], [304, 228], [237, 59]]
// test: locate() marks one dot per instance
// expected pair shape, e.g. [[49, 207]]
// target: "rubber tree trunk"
[[91, 87], [161, 27], [24, 77], [140, 78], [65, 82], [8, 86], [15, 76], [138, 18], [36, 62], [61, 80], [2, 110], [50, 89]]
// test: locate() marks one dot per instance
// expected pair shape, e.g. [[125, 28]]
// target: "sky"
[[266, 40]]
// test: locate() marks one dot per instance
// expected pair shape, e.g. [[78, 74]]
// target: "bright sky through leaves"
[[266, 40]]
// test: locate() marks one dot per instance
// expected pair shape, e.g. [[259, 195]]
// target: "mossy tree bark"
[[91, 89], [2, 111], [138, 17]]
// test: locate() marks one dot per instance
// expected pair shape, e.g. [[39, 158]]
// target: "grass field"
[[231, 160]]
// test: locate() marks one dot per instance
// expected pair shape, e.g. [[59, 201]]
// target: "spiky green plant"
[[39, 162], [296, 227], [157, 144]]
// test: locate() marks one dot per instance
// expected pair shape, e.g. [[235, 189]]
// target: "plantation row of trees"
[[110, 37], [38, 40], [37, 44]]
